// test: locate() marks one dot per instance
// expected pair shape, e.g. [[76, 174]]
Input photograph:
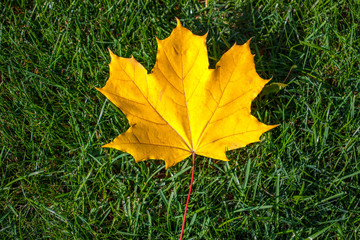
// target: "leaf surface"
[[182, 106]]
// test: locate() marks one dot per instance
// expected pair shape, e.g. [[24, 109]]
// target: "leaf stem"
[[188, 198]]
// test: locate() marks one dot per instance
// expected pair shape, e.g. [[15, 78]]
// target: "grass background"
[[302, 181]]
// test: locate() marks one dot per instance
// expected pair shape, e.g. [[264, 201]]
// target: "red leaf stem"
[[188, 198]]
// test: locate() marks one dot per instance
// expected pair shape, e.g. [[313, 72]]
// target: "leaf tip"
[[226, 159], [178, 23], [205, 35], [110, 52], [168, 164], [106, 145], [247, 44], [268, 80], [269, 127]]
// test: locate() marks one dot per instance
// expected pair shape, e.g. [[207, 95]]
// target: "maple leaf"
[[183, 107]]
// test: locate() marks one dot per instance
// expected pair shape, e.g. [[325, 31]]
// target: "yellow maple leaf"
[[183, 107]]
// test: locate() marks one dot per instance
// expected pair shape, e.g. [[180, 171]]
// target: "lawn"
[[302, 181]]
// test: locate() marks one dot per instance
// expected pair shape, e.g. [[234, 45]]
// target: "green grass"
[[56, 182]]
